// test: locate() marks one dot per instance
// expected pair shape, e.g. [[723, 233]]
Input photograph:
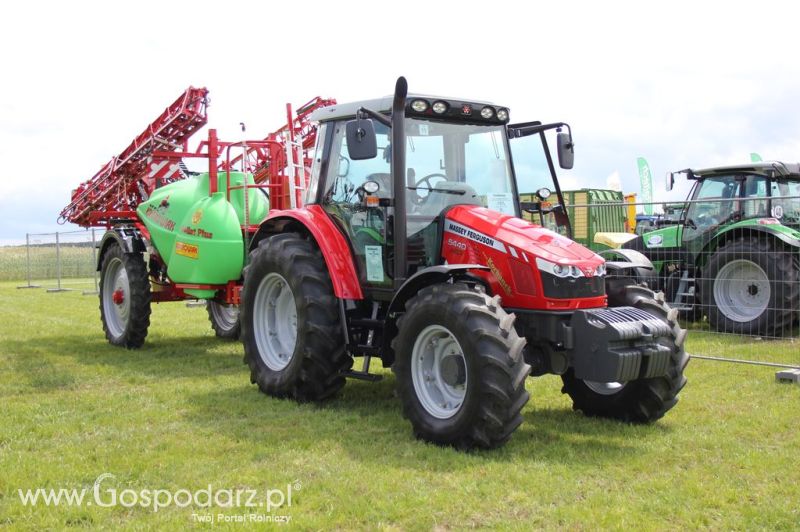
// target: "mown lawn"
[[181, 414]]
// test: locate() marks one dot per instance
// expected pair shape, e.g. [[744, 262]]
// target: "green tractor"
[[733, 253]]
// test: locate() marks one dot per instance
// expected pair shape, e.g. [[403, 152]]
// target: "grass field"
[[181, 414]]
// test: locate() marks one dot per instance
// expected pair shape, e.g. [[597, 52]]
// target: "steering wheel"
[[706, 220], [427, 179]]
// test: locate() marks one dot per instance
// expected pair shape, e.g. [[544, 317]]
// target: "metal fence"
[[730, 266], [57, 262]]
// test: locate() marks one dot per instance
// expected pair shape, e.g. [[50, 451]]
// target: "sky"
[[684, 84]]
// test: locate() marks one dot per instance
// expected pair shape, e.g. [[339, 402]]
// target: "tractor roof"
[[769, 168], [348, 109]]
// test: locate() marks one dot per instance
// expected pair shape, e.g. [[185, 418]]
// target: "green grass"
[[181, 413]]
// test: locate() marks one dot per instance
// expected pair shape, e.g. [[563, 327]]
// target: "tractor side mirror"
[[670, 181], [361, 142], [566, 150]]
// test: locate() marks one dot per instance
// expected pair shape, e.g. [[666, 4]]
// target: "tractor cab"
[[456, 153], [727, 195]]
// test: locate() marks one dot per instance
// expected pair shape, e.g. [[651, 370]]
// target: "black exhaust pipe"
[[399, 180]]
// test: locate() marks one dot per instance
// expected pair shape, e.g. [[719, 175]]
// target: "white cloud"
[[681, 83]]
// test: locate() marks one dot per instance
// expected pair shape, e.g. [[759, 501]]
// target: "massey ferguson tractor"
[[402, 242]]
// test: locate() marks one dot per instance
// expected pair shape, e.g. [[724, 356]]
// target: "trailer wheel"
[[224, 319], [459, 367], [124, 297], [290, 322], [750, 287], [643, 400]]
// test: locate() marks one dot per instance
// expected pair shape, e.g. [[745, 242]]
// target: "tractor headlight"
[[559, 270], [502, 114], [439, 107], [419, 106], [487, 112]]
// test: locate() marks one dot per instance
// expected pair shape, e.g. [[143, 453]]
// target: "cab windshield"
[[448, 164]]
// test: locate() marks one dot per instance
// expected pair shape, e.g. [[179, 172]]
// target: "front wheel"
[[459, 367], [124, 297], [290, 322], [643, 400]]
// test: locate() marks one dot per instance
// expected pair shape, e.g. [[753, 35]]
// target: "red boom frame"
[[153, 160]]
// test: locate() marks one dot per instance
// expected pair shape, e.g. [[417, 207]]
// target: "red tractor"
[[410, 248]]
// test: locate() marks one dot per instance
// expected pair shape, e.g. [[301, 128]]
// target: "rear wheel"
[[124, 297], [750, 287], [459, 367], [643, 400], [290, 321], [224, 319]]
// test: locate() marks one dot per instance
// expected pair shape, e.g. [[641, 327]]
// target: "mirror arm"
[[525, 131], [529, 206], [383, 119]]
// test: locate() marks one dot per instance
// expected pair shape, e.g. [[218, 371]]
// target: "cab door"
[[365, 223], [717, 202]]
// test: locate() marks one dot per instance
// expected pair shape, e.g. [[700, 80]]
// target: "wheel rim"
[[439, 372], [275, 321], [741, 290], [605, 388], [225, 315], [116, 297]]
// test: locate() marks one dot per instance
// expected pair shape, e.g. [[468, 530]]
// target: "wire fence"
[[730, 265], [57, 262]]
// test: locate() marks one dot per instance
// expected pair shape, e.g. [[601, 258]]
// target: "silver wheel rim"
[[116, 297], [439, 372], [275, 322], [741, 290], [605, 388], [225, 315]]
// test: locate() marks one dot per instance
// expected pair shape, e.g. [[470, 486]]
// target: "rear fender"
[[415, 283], [630, 264], [313, 221], [128, 238], [778, 231]]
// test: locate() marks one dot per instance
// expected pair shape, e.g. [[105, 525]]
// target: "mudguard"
[[129, 238], [333, 245], [774, 228], [632, 259], [421, 279]]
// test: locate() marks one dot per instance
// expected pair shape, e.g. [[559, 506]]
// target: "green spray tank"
[[199, 235]]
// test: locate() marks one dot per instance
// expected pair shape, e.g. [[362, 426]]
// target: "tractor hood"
[[519, 238]]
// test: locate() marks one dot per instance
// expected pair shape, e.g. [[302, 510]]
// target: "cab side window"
[[755, 187], [345, 175]]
